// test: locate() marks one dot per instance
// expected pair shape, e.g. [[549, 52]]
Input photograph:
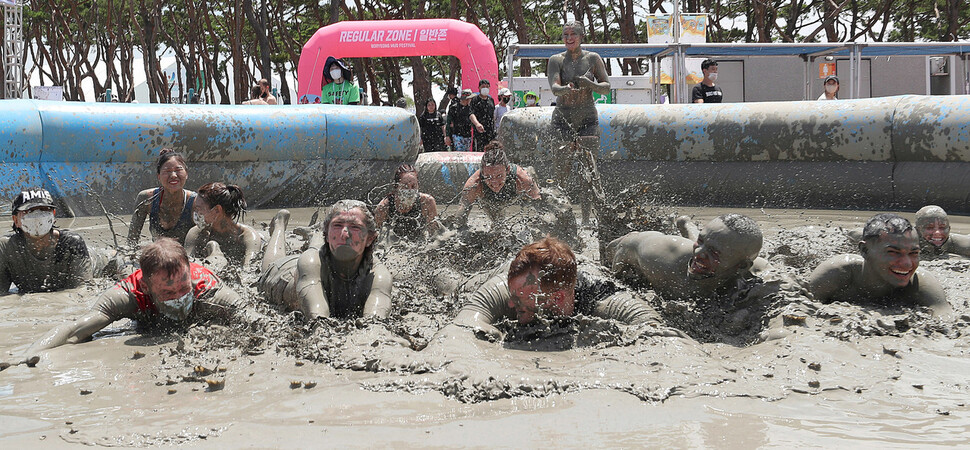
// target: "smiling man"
[[337, 277], [167, 290], [935, 238], [886, 271], [724, 255], [545, 280]]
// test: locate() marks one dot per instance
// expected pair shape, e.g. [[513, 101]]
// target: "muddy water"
[[850, 375]]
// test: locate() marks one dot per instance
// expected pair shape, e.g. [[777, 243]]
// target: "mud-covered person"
[[167, 291], [885, 272], [407, 212], [337, 276], [217, 233], [544, 279], [168, 207], [37, 257], [495, 186], [935, 239]]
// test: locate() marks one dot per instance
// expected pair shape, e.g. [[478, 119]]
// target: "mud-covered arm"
[[601, 85], [221, 303], [252, 244], [429, 210], [931, 294], [623, 307], [854, 235], [381, 212], [829, 278], [115, 303], [526, 185], [555, 80], [4, 270], [487, 305], [960, 244], [80, 261], [687, 228], [379, 299], [192, 244], [470, 193], [309, 288], [143, 204]]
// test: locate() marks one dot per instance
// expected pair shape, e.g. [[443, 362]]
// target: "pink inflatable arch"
[[418, 37]]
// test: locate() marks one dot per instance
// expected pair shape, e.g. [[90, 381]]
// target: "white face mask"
[[199, 220], [831, 88], [530, 101], [336, 74], [176, 309], [407, 197], [484, 91], [37, 223], [712, 76]]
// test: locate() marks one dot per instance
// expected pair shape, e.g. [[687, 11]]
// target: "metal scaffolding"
[[13, 48]]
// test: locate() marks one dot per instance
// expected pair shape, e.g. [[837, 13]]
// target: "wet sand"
[[852, 375]]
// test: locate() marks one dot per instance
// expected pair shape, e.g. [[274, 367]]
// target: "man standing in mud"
[[573, 76], [887, 271]]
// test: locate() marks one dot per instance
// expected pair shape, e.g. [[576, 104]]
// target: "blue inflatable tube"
[[94, 154]]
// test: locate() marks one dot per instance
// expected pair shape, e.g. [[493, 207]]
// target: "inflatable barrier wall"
[[876, 154], [100, 155]]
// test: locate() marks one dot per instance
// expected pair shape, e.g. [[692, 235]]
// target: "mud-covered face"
[[203, 214], [572, 38], [168, 288], [936, 232], [494, 176], [173, 175], [718, 250], [893, 257], [349, 231], [528, 299]]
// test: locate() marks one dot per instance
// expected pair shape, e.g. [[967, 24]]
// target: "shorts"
[[573, 122], [275, 280]]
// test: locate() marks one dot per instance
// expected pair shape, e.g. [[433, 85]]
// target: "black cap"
[[32, 198], [830, 77]]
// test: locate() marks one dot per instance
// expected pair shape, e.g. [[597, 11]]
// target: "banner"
[[693, 30], [55, 93]]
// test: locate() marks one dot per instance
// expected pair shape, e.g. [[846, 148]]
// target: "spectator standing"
[[340, 88], [432, 127], [831, 84], [458, 132], [706, 91], [504, 96], [483, 116]]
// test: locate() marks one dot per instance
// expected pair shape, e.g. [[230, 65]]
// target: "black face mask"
[[505, 99]]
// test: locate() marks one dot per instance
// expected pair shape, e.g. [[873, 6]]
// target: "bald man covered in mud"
[[544, 279], [573, 77], [886, 272]]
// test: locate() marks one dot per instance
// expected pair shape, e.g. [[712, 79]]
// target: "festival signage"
[[55, 93], [693, 30]]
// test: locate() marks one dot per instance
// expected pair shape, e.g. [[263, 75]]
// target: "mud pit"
[[850, 375]]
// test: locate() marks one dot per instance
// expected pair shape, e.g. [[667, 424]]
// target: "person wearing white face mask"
[[831, 85], [407, 212], [706, 91], [166, 291], [482, 117], [340, 88], [38, 257]]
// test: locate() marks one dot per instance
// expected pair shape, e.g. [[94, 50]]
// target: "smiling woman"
[[168, 207]]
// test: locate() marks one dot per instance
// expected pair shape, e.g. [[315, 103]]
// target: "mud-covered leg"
[[276, 247]]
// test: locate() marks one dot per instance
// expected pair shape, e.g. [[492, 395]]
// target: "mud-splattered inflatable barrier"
[[443, 174], [86, 153], [883, 153]]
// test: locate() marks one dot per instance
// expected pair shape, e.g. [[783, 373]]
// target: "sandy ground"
[[850, 376]]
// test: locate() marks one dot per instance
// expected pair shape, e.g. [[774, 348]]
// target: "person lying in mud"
[[935, 239], [215, 212], [885, 272], [723, 256], [408, 213], [166, 291], [495, 186], [169, 207], [38, 257], [337, 276], [544, 279]]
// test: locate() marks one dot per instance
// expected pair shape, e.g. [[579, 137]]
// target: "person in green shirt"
[[340, 88]]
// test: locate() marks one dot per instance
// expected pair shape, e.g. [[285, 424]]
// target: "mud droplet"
[[309, 384], [814, 384], [138, 355], [918, 386], [299, 363], [215, 385], [172, 391], [202, 371], [295, 384], [793, 320], [815, 366], [85, 392], [32, 361]]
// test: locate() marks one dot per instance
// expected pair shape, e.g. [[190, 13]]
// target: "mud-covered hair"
[[577, 26], [747, 228], [164, 255], [229, 196], [369, 222], [552, 258], [494, 155], [885, 223], [930, 213], [166, 154]]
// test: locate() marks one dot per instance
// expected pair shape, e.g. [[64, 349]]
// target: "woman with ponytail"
[[216, 213]]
